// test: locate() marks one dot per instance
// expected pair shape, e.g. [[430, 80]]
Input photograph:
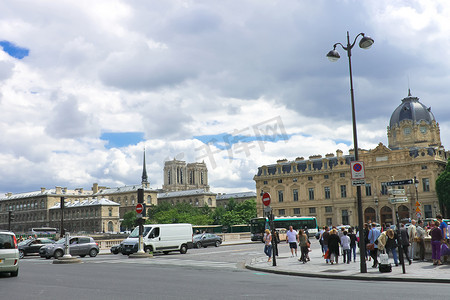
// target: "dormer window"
[[407, 130], [423, 129]]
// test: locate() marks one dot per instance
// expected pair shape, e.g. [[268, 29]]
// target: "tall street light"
[[365, 43]]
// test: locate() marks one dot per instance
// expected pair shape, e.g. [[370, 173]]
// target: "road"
[[211, 273]]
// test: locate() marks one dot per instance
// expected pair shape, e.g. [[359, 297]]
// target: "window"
[[295, 195], [426, 184], [280, 196], [424, 167], [296, 211], [328, 209], [345, 217], [423, 129], [384, 188], [265, 182], [428, 211], [281, 212], [280, 180], [327, 192], [310, 178], [326, 176], [341, 174], [312, 210], [329, 221], [311, 193], [344, 192], [368, 189], [109, 212], [294, 179], [407, 130]]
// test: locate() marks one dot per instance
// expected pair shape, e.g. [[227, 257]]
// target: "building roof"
[[49, 192], [184, 193], [236, 195], [121, 189], [411, 109], [87, 202]]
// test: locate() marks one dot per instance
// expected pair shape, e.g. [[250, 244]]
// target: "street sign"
[[266, 199], [267, 209], [418, 215], [138, 216], [396, 200], [139, 208], [417, 209], [400, 182], [359, 182], [417, 203], [357, 168], [396, 191]]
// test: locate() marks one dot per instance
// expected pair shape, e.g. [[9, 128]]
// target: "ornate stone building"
[[179, 176], [322, 186]]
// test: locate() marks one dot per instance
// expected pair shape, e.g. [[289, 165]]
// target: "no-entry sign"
[[266, 199], [139, 208]]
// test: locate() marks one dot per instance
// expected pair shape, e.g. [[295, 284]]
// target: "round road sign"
[[139, 208], [266, 199]]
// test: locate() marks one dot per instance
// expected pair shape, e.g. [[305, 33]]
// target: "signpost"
[[266, 199], [400, 182], [358, 174], [139, 208], [267, 209]]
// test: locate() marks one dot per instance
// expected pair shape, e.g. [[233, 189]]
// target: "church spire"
[[144, 174]]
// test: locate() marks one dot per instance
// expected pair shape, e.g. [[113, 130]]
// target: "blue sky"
[[83, 93]]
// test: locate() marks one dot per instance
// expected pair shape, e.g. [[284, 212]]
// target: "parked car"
[[207, 239], [9, 254], [78, 246], [116, 249], [32, 246]]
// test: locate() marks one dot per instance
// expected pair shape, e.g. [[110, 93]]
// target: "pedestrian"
[[292, 239], [303, 243], [366, 231], [391, 244], [321, 239], [325, 237], [373, 235], [421, 233], [443, 226], [352, 237], [268, 244], [345, 242], [333, 246], [405, 241], [436, 241], [412, 232]]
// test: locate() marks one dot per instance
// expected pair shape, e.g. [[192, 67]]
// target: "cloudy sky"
[[86, 85]]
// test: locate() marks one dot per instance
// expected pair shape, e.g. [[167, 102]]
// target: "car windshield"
[[61, 241], [135, 232], [23, 243]]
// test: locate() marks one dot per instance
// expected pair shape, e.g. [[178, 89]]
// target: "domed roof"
[[411, 109]]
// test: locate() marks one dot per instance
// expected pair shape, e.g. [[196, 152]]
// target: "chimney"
[[42, 190], [339, 153], [58, 190], [9, 194], [95, 188]]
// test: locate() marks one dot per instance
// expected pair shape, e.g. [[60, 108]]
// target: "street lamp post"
[[365, 43]]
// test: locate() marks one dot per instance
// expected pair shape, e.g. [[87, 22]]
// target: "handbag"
[[327, 254], [370, 247], [308, 244]]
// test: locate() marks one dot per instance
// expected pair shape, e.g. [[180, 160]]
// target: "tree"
[[443, 189], [129, 220]]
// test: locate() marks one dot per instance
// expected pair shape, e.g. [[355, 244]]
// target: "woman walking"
[[303, 243], [333, 245], [436, 241], [268, 244]]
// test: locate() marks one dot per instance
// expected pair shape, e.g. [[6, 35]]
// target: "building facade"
[[222, 200], [179, 176], [322, 186]]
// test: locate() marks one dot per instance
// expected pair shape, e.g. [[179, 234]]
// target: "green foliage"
[[129, 220], [443, 189], [235, 213]]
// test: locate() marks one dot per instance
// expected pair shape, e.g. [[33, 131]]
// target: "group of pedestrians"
[[293, 238], [333, 240]]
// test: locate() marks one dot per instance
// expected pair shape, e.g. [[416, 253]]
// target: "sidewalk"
[[287, 265]]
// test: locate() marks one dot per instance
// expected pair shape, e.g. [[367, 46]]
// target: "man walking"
[[292, 239], [405, 241], [325, 236], [412, 235], [420, 231], [374, 233]]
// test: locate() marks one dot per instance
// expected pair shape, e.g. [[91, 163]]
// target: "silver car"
[[78, 246], [9, 254]]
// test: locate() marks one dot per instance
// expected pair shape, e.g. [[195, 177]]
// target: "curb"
[[348, 277]]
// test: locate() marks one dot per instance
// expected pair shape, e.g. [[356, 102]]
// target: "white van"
[[160, 238]]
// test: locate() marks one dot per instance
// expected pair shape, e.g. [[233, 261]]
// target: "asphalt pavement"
[[317, 267]]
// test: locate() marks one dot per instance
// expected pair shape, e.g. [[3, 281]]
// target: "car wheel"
[[217, 243], [148, 249], [47, 257], [183, 249], [199, 245], [14, 274], [58, 254], [93, 253], [21, 254]]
